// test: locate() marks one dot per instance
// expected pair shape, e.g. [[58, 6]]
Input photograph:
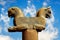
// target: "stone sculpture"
[[29, 26]]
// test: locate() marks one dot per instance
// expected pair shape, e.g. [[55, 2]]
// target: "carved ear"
[[12, 8]]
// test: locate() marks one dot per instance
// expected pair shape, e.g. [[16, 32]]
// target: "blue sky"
[[29, 7]]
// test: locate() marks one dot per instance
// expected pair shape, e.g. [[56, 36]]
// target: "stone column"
[[30, 34]]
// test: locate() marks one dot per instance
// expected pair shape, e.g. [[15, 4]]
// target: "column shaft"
[[30, 34]]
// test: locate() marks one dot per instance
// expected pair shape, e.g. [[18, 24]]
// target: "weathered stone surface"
[[22, 28], [16, 29], [28, 23], [30, 20], [30, 34]]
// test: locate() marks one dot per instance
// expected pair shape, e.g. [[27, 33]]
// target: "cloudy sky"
[[30, 7]]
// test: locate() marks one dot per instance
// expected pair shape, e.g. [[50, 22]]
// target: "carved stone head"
[[45, 12], [12, 12], [48, 13]]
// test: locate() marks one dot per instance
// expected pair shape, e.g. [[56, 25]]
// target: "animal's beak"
[[49, 12], [48, 16], [8, 13]]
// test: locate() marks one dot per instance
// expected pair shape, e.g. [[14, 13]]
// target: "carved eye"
[[49, 12], [13, 9], [45, 9]]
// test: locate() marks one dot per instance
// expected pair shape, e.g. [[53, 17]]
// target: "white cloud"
[[3, 2], [4, 16], [49, 33], [3, 37], [0, 29], [3, 9], [19, 38], [44, 4], [29, 2], [30, 9], [5, 19]]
